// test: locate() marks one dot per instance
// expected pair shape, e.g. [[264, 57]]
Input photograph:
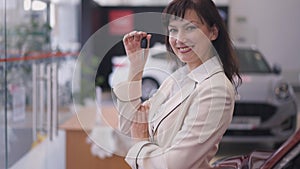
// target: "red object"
[[264, 159], [38, 56], [120, 22]]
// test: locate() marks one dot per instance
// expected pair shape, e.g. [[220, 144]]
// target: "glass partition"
[[35, 78], [24, 40], [2, 88]]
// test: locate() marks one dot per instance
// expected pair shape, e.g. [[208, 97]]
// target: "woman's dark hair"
[[208, 12]]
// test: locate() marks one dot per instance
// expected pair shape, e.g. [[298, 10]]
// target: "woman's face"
[[190, 39]]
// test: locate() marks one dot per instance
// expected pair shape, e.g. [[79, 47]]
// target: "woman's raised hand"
[[136, 55], [132, 44]]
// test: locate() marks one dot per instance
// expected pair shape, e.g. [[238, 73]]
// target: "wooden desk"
[[78, 152]]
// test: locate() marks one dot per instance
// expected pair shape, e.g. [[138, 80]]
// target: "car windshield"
[[252, 61]]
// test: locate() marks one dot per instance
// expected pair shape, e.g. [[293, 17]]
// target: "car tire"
[[149, 87]]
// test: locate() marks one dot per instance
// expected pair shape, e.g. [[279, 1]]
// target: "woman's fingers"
[[132, 41], [148, 36], [139, 131], [142, 115], [134, 36], [139, 128]]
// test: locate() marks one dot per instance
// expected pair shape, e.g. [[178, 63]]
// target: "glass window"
[[252, 61], [32, 72], [2, 87]]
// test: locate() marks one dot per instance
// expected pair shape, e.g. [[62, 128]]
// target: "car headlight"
[[282, 91]]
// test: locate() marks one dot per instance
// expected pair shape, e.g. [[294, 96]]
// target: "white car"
[[265, 111], [157, 69]]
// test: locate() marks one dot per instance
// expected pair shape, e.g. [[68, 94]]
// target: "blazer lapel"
[[174, 102], [208, 69]]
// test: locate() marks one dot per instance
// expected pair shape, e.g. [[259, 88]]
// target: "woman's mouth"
[[184, 49]]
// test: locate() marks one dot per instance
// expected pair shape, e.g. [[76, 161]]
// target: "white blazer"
[[185, 127]]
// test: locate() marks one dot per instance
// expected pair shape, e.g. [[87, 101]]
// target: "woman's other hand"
[[139, 127]]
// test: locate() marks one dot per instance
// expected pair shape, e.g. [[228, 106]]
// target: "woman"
[[181, 125]]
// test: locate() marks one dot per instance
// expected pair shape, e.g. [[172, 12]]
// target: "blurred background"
[[54, 74]]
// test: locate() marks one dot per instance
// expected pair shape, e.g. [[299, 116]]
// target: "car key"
[[144, 44]]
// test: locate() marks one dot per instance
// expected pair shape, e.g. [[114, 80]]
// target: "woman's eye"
[[189, 28], [172, 30]]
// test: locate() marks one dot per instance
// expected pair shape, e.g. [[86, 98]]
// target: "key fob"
[[144, 43]]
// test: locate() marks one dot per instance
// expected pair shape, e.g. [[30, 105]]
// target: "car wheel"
[[149, 87]]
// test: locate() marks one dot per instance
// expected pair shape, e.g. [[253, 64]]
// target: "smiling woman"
[[191, 38], [181, 125]]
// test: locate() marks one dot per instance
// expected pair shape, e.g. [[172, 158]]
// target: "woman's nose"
[[181, 37]]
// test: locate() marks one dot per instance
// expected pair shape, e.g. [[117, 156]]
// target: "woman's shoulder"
[[217, 83], [177, 75], [218, 79]]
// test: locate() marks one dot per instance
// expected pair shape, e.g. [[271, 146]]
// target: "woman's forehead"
[[190, 16]]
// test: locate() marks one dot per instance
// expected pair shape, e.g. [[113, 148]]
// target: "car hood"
[[257, 87]]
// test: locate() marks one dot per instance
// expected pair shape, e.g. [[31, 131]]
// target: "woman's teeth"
[[184, 49]]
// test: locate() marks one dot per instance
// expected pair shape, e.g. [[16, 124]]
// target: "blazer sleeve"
[[128, 102], [128, 96], [194, 145]]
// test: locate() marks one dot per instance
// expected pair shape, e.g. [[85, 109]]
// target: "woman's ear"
[[214, 33]]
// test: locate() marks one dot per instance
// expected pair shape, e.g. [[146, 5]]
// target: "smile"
[[184, 49]]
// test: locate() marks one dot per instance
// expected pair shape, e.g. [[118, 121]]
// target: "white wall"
[[274, 27], [65, 34]]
